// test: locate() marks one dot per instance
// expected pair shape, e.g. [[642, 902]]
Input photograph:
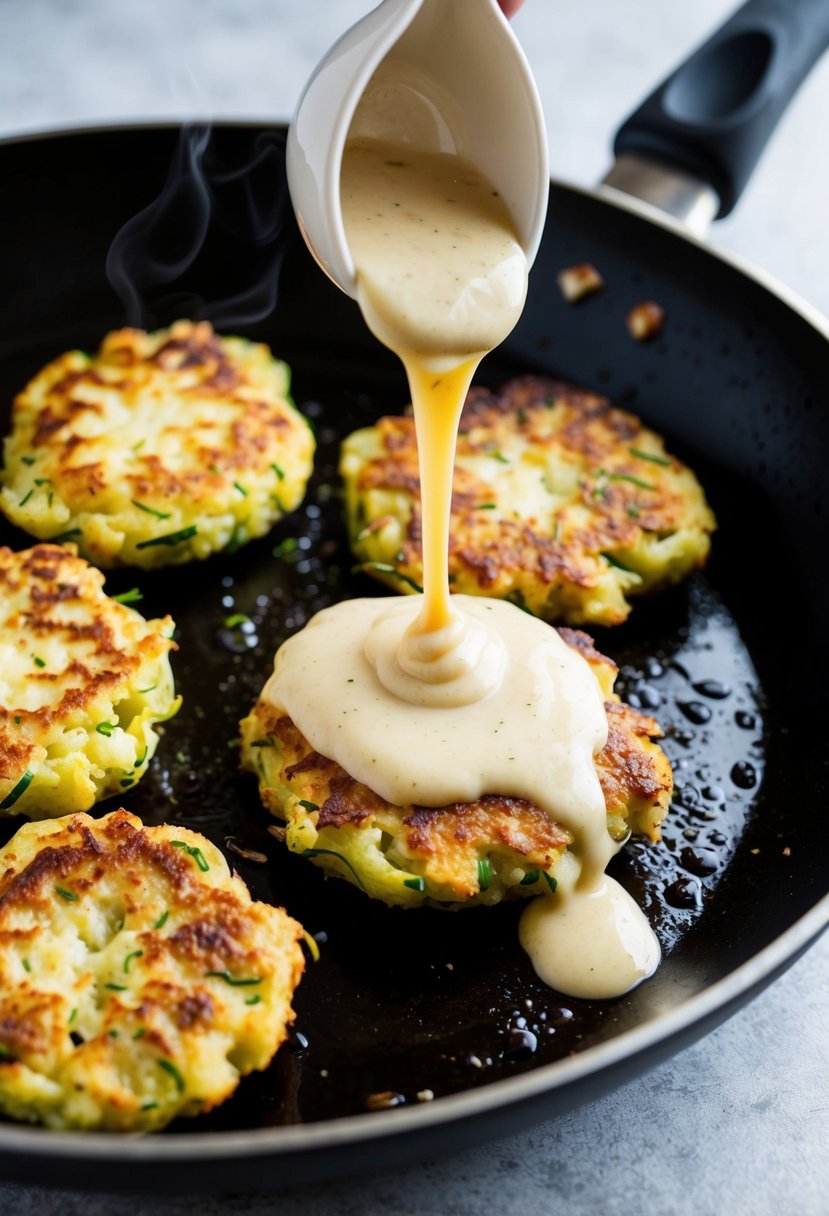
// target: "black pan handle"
[[713, 116]]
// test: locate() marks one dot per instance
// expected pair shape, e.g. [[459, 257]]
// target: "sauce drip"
[[592, 942], [438, 699]]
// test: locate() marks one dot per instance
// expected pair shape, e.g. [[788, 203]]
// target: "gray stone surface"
[[738, 1123]]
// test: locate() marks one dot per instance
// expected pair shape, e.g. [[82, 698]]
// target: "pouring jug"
[[439, 76]]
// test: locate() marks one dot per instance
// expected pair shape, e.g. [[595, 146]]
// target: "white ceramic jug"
[[439, 75]]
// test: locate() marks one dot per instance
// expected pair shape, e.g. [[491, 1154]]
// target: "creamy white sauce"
[[434, 700], [441, 274], [592, 941], [534, 738], [441, 280]]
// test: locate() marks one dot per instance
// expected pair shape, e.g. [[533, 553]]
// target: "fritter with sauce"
[[561, 503], [84, 680], [468, 853], [138, 979], [160, 448]]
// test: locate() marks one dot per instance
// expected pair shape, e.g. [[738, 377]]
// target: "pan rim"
[[351, 1130], [723, 996]]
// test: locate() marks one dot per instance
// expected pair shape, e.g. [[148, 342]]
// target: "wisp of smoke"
[[210, 246]]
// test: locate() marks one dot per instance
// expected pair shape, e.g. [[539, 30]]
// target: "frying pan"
[[406, 1003]]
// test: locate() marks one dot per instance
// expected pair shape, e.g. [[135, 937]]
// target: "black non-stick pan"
[[734, 663]]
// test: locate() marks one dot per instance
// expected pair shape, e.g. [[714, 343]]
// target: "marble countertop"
[[738, 1123]]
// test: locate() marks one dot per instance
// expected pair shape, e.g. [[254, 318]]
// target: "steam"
[[208, 247]]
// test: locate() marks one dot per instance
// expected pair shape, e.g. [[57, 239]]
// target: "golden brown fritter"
[[84, 680], [138, 980], [158, 449], [466, 853], [562, 503]]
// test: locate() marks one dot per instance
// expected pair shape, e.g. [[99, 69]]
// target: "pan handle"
[[692, 145]]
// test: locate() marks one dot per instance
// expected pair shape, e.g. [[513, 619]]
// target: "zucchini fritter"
[[159, 449], [562, 503], [467, 853], [83, 682], [138, 980]]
